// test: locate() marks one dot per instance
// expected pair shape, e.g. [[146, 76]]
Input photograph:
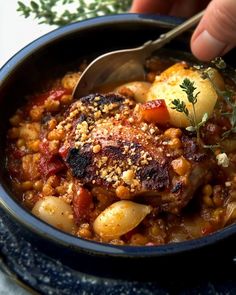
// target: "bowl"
[[51, 56]]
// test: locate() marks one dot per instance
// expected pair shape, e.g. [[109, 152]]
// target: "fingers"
[[180, 8], [187, 8], [151, 6], [216, 33]]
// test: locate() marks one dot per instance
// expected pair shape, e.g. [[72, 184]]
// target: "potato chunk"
[[167, 86]]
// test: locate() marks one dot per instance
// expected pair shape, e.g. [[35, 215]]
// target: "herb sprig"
[[48, 12], [180, 106]]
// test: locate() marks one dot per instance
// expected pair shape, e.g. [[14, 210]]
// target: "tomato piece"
[[155, 111], [82, 203], [207, 229], [14, 166], [50, 166], [54, 94], [50, 162], [44, 148], [15, 152], [63, 151]]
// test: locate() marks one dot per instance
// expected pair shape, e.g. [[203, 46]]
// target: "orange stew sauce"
[[135, 180]]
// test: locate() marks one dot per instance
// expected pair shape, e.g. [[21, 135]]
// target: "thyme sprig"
[[188, 87], [48, 11], [219, 63], [180, 106]]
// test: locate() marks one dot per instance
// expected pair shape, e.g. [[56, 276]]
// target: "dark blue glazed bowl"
[[50, 56]]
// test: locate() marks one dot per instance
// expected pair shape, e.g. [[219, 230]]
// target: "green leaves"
[[24, 9], [34, 5], [180, 106], [205, 117], [48, 11], [188, 87], [219, 63]]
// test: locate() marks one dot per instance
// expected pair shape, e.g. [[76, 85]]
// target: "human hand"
[[214, 36]]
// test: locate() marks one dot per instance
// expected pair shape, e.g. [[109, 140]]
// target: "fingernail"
[[206, 47]]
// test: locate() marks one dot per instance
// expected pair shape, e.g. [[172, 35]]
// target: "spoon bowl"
[[125, 65]]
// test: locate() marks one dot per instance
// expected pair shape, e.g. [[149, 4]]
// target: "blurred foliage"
[[62, 12]]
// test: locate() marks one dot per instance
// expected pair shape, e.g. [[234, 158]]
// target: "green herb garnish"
[[180, 107], [48, 11], [219, 63], [188, 87]]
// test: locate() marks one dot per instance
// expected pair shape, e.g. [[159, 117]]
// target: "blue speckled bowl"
[[50, 56]]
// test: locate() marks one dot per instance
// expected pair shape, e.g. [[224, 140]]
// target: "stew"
[[149, 163]]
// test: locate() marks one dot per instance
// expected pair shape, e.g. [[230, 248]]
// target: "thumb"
[[216, 32]]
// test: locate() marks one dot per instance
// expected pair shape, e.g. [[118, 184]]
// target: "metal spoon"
[[127, 64]]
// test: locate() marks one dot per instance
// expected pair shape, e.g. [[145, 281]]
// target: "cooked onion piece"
[[138, 88], [167, 86], [55, 212], [120, 218]]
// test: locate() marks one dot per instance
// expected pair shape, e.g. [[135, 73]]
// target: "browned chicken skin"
[[109, 147]]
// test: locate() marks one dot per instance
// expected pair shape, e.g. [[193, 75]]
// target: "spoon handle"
[[167, 37]]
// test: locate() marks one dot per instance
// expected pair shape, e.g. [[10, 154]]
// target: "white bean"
[[139, 89], [29, 131], [56, 212], [120, 218], [70, 80]]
